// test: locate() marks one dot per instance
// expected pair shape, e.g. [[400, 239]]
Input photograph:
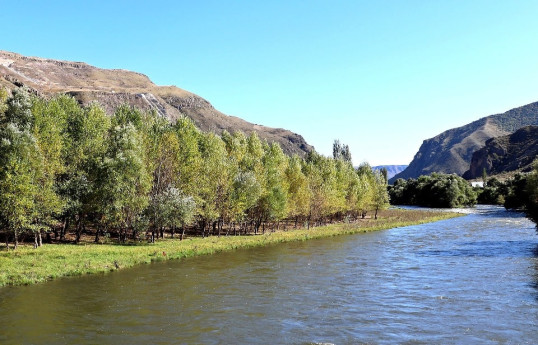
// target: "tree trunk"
[[64, 228], [39, 239], [7, 241], [35, 240], [79, 230], [16, 239], [97, 235], [182, 232], [375, 216]]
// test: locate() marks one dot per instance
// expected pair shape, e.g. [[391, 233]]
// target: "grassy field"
[[28, 266]]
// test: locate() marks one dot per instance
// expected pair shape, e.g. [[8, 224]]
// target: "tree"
[[531, 204], [272, 204], [124, 182], [380, 198], [298, 192], [19, 159], [215, 182], [80, 184], [49, 126], [341, 151]]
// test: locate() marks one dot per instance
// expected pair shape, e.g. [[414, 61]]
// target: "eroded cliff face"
[[451, 151], [113, 87], [514, 152]]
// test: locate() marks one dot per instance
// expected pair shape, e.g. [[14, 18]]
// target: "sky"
[[380, 76]]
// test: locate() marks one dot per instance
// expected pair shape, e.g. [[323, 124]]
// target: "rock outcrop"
[[451, 151], [514, 152], [113, 87]]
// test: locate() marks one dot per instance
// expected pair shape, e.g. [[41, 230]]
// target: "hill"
[[451, 151], [392, 170], [507, 153], [113, 87]]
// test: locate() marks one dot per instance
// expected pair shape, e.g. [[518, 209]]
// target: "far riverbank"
[[29, 266]]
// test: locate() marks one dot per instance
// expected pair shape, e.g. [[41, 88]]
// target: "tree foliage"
[[69, 170], [435, 190]]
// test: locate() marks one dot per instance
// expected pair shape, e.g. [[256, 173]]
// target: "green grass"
[[28, 266]]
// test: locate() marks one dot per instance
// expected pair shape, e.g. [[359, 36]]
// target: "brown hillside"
[[514, 152], [451, 151], [113, 87]]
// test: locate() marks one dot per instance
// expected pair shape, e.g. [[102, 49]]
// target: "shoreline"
[[26, 265]]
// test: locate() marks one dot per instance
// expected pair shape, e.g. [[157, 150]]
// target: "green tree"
[[49, 126], [380, 198], [298, 191], [124, 181], [84, 149], [215, 182], [531, 204], [19, 160]]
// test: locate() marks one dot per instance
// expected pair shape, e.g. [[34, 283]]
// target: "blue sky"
[[380, 76]]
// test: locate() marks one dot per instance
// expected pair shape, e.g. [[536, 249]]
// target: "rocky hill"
[[507, 153], [113, 87], [452, 150]]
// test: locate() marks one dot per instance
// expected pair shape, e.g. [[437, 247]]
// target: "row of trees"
[[435, 190], [71, 169], [519, 192], [442, 190]]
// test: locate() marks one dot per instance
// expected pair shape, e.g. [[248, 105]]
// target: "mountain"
[[507, 153], [392, 170], [451, 151], [113, 87]]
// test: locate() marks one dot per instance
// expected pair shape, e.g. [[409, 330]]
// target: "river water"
[[469, 280]]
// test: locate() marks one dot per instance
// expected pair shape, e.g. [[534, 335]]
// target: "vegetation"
[[531, 205], [435, 190], [68, 171], [28, 266]]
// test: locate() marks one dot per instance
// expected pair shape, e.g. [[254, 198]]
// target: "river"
[[469, 280]]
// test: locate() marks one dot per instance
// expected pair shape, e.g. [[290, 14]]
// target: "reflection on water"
[[472, 279]]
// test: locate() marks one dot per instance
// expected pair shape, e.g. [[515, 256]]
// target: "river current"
[[469, 280]]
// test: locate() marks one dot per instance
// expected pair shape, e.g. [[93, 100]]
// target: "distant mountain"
[[452, 150], [391, 169], [508, 153], [113, 87]]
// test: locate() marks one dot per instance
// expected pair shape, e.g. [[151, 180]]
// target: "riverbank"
[[29, 266]]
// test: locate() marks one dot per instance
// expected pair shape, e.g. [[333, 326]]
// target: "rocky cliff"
[[507, 153], [452, 150], [113, 87]]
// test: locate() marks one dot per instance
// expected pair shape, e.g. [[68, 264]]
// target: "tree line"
[[446, 191], [519, 192], [66, 170], [435, 190]]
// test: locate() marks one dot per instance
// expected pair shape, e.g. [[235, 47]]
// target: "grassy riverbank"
[[28, 266]]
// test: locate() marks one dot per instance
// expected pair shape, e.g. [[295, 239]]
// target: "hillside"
[[112, 87], [452, 150], [507, 153]]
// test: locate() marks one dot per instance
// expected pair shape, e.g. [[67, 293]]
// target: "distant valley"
[[392, 170]]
